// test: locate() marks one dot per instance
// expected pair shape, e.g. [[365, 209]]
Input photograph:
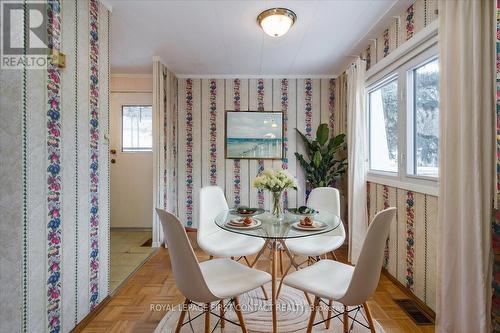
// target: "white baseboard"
[[156, 244]]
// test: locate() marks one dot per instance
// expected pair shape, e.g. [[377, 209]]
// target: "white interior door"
[[131, 160]]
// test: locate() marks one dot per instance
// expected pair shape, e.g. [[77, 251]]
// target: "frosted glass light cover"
[[276, 25], [276, 21]]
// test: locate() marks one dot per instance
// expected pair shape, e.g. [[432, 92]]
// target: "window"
[[383, 118], [403, 122], [137, 128], [423, 120]]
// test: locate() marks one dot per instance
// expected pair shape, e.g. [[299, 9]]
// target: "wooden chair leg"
[[289, 254], [346, 320], [264, 292], [311, 304], [308, 299], [182, 315], [237, 309], [207, 318], [281, 281], [222, 324], [281, 262], [260, 253], [369, 317], [329, 314], [211, 257], [313, 314]]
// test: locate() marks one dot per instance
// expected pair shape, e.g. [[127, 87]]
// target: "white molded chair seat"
[[317, 245], [218, 242], [322, 199], [226, 278], [327, 279], [227, 244]]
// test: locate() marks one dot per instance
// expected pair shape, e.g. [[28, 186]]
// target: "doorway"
[[131, 183]]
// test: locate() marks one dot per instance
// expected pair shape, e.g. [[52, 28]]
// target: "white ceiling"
[[223, 38]]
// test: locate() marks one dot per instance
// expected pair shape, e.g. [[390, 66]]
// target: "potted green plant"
[[323, 164]]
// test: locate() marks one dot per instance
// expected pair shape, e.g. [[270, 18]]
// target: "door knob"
[[112, 151], [113, 161]]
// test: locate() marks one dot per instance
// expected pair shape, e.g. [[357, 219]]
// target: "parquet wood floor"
[[129, 309], [126, 254]]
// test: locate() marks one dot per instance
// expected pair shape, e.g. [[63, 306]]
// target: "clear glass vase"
[[277, 208]]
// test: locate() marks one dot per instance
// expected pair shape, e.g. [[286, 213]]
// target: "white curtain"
[[356, 144], [466, 191]]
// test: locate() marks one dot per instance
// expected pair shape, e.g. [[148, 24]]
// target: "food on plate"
[[247, 221], [306, 222]]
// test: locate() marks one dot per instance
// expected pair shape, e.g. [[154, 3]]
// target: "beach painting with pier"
[[254, 135]]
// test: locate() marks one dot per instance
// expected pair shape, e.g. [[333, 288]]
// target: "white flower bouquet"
[[275, 181]]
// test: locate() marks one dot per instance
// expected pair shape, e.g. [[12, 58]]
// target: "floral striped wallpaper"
[[169, 140], [410, 254], [416, 17], [200, 135], [54, 180], [61, 189], [94, 153]]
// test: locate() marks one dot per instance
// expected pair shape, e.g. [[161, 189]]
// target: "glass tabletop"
[[271, 227]]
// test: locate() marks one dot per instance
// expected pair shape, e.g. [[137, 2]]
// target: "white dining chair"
[[322, 199], [218, 242], [215, 241], [351, 286], [210, 281]]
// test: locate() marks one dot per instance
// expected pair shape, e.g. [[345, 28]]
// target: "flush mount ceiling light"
[[276, 21]]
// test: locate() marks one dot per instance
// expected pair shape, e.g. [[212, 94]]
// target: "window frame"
[[403, 178], [135, 150]]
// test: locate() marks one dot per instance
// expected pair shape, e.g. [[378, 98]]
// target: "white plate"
[[315, 227], [256, 223]]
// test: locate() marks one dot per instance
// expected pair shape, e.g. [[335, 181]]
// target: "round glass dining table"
[[275, 232], [272, 228]]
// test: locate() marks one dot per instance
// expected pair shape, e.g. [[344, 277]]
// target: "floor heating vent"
[[413, 310]]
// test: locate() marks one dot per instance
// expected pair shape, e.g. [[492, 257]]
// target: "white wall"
[[131, 83]]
